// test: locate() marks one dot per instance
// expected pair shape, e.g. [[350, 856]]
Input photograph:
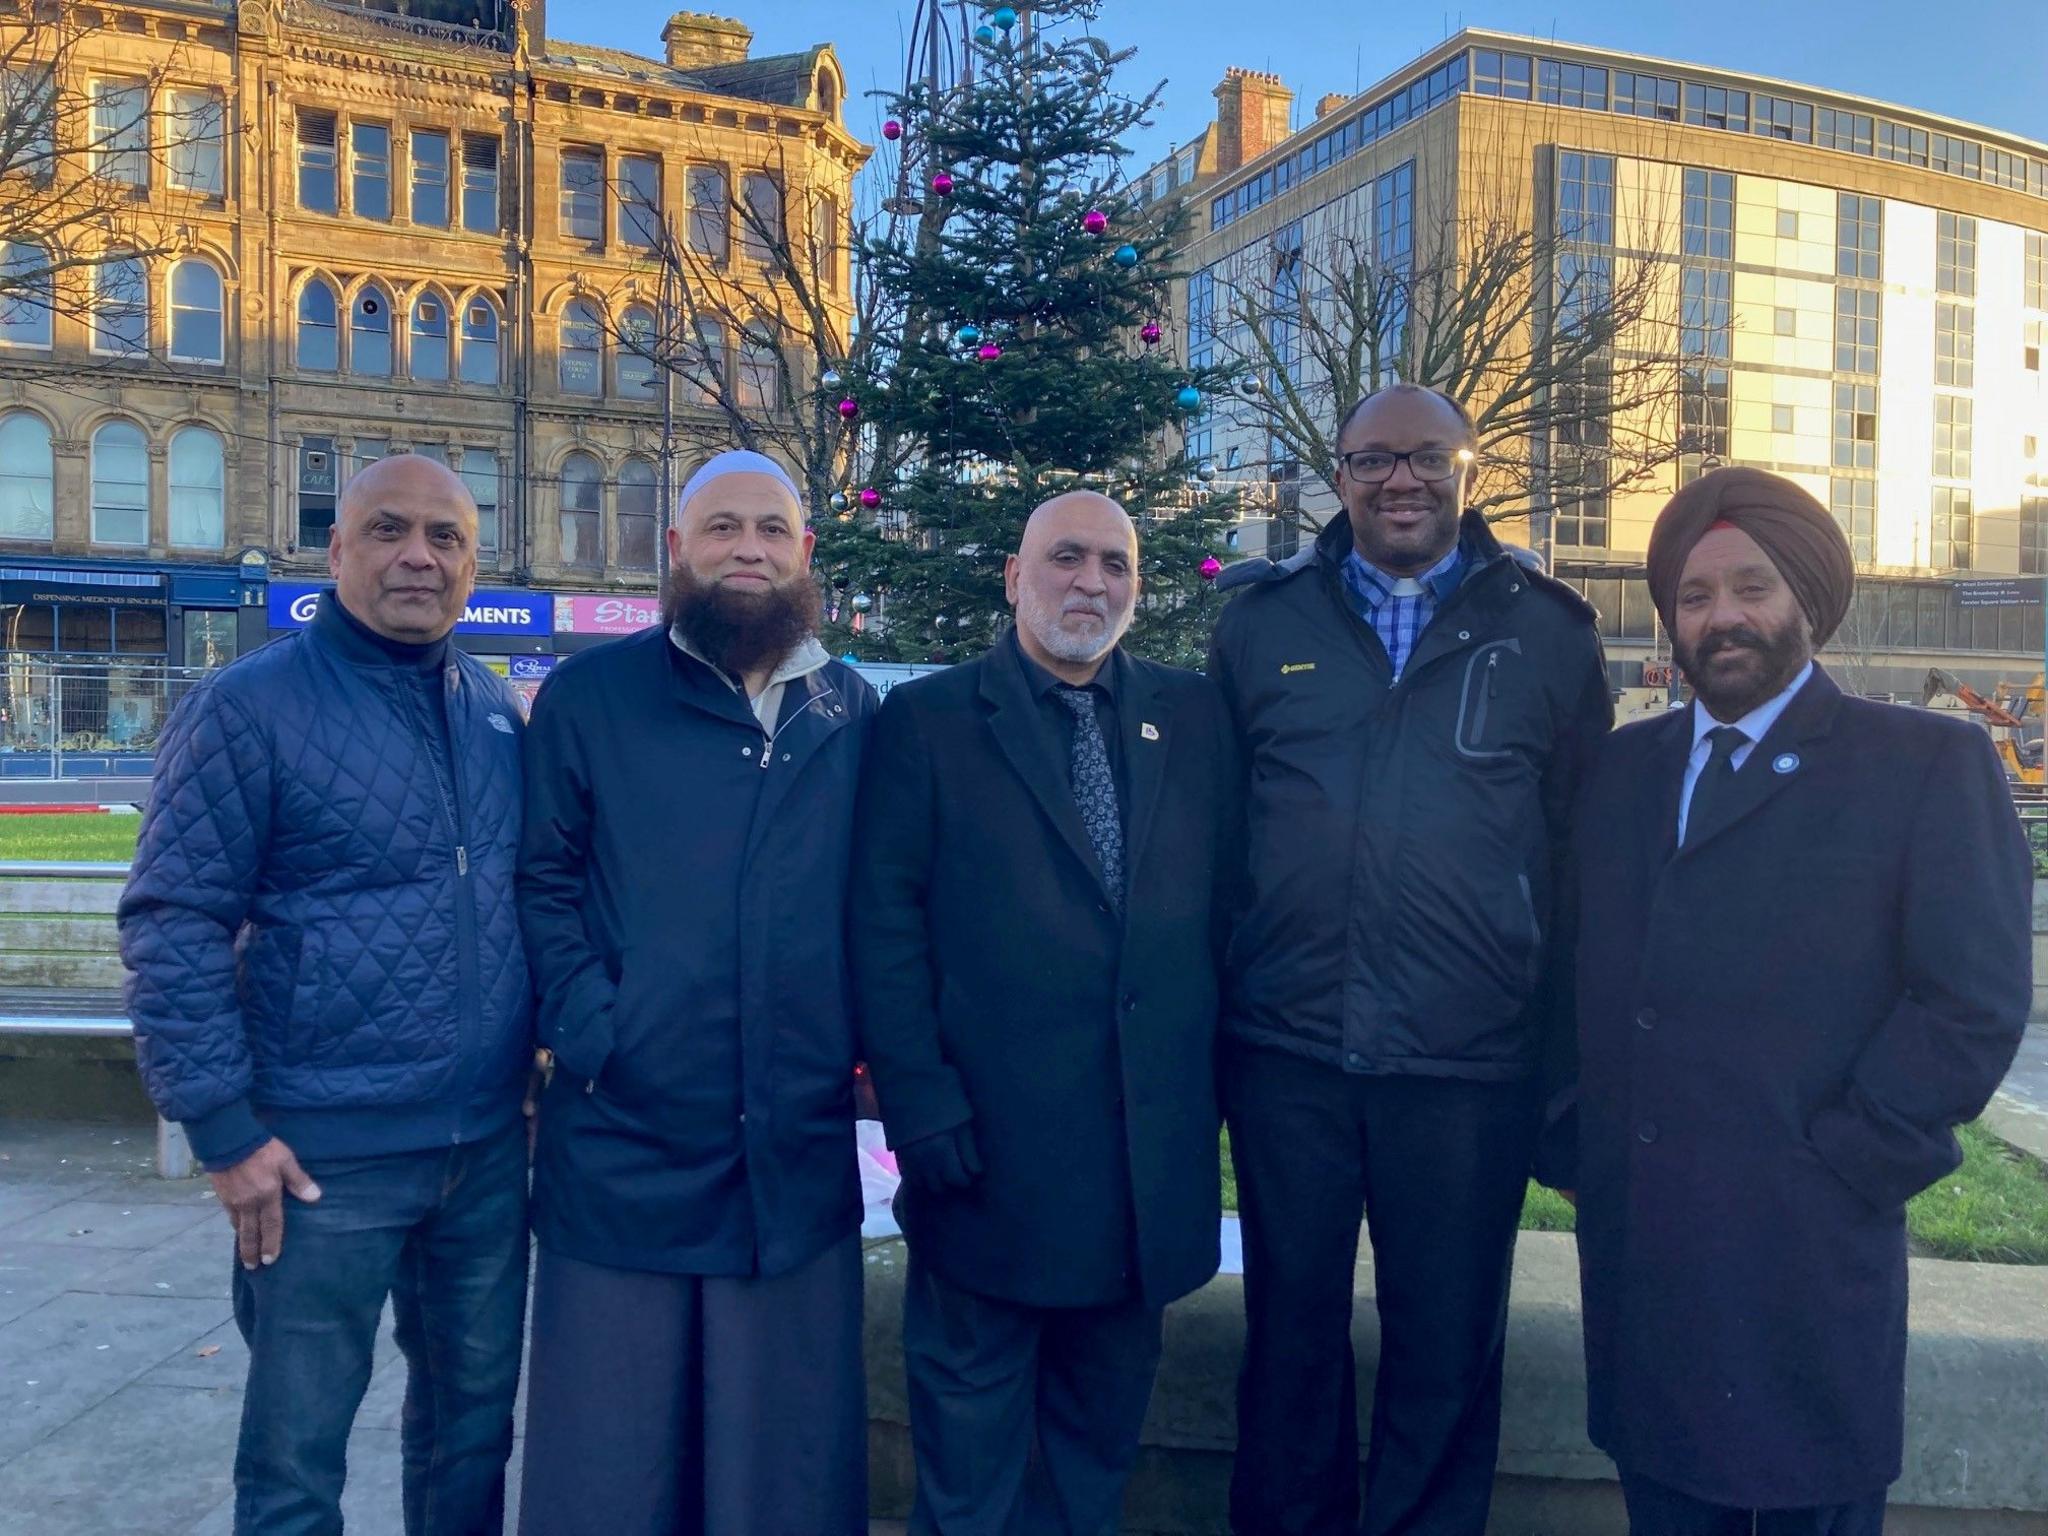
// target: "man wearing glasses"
[[1415, 706]]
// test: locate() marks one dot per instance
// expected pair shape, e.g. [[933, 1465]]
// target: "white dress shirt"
[[1753, 725]]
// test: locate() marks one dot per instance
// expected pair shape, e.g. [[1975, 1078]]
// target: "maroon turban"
[[1797, 532]]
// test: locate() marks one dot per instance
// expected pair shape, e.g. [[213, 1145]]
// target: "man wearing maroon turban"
[[1803, 959]]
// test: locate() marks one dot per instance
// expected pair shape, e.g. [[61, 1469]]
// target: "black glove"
[[942, 1162]]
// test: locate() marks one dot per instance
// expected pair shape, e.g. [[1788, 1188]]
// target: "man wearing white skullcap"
[[696, 1356]]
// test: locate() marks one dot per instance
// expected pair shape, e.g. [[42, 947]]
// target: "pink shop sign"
[[605, 615]]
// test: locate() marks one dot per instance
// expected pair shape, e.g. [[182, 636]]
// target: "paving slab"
[[78, 1349], [144, 1462], [197, 1262], [32, 1274], [102, 1223]]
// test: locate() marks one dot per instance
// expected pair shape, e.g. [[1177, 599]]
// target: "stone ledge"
[[1976, 1408]]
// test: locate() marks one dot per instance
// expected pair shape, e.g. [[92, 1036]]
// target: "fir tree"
[[1020, 365]]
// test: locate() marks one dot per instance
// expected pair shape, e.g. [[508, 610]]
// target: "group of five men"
[[1381, 888]]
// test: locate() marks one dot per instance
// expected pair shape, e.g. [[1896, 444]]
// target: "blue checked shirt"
[[1399, 620]]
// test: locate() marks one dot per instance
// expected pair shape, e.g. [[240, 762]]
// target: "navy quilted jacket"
[[321, 938]]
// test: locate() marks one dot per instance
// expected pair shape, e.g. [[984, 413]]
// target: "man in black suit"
[[1803, 959], [1034, 953]]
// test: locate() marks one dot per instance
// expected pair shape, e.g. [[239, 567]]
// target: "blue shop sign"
[[491, 610], [531, 669]]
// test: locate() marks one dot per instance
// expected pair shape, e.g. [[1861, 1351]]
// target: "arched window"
[[27, 295], [429, 339], [638, 521], [197, 322], [28, 475], [582, 357], [828, 93], [198, 489], [706, 370], [479, 342], [582, 512], [120, 306], [760, 381], [637, 379], [319, 343], [120, 485], [369, 334]]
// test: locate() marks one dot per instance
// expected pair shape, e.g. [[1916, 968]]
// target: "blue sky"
[[1984, 61]]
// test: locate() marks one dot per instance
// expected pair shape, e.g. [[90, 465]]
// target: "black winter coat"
[[1404, 840], [997, 984], [1779, 1024], [683, 901]]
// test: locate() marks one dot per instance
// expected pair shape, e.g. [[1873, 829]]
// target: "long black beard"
[[1783, 653], [741, 632]]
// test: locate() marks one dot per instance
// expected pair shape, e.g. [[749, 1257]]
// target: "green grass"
[[69, 836], [1992, 1210]]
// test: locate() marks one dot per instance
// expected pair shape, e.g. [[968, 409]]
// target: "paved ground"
[[2028, 1079], [120, 1367]]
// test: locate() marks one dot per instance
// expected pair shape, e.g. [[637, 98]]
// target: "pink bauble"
[[870, 497], [1211, 568], [1151, 333], [989, 352], [892, 130], [943, 184], [849, 409], [1095, 221]]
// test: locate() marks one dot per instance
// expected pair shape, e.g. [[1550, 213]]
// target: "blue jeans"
[[443, 1234]]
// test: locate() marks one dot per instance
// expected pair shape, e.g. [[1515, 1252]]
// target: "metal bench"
[[60, 965]]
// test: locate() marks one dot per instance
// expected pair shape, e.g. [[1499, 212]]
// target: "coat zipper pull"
[[461, 860], [767, 751]]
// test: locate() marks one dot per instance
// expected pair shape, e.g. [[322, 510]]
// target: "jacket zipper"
[[448, 780]]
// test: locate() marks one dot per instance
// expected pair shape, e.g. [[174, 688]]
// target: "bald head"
[[1074, 582], [403, 551]]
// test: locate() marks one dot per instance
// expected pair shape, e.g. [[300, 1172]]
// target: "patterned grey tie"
[[1095, 789]]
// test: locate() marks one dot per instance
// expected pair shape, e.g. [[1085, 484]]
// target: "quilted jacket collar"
[[331, 627]]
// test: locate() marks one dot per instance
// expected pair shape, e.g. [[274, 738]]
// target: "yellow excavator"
[[2007, 713]]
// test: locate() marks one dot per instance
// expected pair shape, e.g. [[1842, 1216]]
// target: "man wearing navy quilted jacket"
[[328, 991]]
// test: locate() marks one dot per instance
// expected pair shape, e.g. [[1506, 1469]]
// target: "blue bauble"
[[985, 35], [1189, 399], [968, 334], [1127, 255], [1005, 17]]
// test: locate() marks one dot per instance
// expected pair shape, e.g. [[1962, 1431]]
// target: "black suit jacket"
[[1779, 1024], [996, 984]]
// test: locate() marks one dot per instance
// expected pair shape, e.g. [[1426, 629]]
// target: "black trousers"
[[687, 1405], [992, 1382], [1655, 1509], [1438, 1168]]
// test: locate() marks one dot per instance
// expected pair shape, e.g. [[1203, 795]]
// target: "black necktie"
[[1710, 789], [1095, 789]]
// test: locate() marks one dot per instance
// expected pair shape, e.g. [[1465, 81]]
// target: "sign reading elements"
[[625, 614], [491, 611], [2002, 593]]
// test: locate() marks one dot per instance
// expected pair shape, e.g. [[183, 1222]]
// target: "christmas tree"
[[1026, 361]]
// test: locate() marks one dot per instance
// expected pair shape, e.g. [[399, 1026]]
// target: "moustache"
[[1730, 640]]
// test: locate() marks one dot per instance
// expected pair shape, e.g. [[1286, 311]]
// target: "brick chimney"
[[1328, 104], [695, 40], [1252, 110]]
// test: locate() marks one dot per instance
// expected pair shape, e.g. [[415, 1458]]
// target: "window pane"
[[369, 340], [317, 486], [370, 162], [763, 226], [480, 474], [430, 179], [196, 128], [429, 340], [639, 200], [27, 295], [637, 374], [582, 512], [316, 160], [319, 339], [479, 343], [582, 350], [120, 485], [196, 313], [582, 210], [198, 490], [637, 519], [120, 307], [710, 212], [480, 183], [120, 131], [27, 478]]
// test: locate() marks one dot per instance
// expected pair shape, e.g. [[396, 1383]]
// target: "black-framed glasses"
[[1372, 467]]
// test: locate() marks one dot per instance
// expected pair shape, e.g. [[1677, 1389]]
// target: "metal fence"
[[60, 721]]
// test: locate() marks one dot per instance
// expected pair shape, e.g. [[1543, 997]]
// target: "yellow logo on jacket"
[[1289, 668]]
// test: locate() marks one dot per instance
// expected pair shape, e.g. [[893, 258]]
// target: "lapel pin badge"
[[1148, 730], [1785, 762]]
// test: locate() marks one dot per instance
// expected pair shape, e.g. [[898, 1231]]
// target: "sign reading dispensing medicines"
[[491, 611]]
